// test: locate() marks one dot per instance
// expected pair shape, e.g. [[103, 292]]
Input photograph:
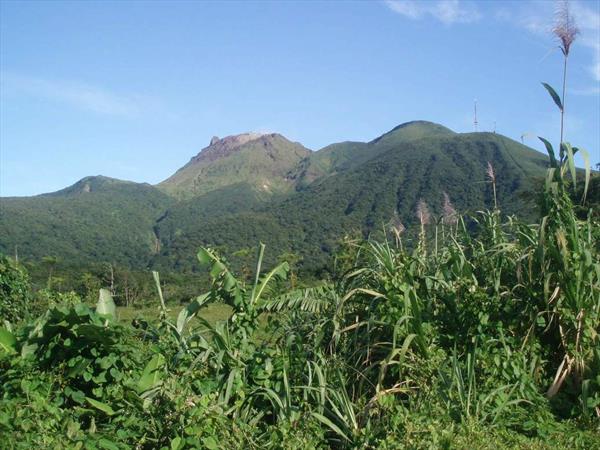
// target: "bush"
[[15, 295]]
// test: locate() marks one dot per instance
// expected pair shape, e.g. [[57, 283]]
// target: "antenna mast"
[[475, 123]]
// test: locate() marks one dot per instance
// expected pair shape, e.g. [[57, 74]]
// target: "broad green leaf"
[[207, 257], [554, 95], [94, 332], [210, 443], [321, 418], [204, 256], [106, 304], [570, 161], [101, 406], [79, 368], [177, 443], [550, 151], [28, 350], [77, 396], [588, 169], [151, 377], [108, 445], [156, 277], [7, 341], [259, 258], [187, 313], [280, 271], [218, 269]]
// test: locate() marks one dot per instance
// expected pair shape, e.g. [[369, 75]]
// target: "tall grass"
[[490, 330]]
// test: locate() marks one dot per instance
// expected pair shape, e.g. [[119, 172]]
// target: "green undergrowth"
[[473, 340], [485, 334], [212, 313]]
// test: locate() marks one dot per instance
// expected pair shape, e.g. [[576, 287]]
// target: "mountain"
[[262, 187], [96, 219], [359, 187], [259, 160], [345, 155]]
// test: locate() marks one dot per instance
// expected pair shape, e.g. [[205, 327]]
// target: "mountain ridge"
[[238, 140], [261, 160], [360, 200], [249, 187]]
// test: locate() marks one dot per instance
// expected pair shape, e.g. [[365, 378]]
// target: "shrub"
[[15, 295]]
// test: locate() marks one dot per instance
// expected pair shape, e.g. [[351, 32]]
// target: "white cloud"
[[588, 20], [537, 16], [446, 11], [79, 95]]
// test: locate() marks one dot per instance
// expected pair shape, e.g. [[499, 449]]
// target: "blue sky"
[[132, 90]]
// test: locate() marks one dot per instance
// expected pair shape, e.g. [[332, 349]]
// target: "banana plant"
[[247, 302], [227, 348]]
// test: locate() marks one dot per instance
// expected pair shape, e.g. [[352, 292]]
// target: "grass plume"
[[565, 29]]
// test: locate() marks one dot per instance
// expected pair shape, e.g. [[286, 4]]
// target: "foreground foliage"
[[482, 336]]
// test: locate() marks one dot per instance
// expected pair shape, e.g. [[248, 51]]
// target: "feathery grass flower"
[[423, 213], [565, 28], [450, 216]]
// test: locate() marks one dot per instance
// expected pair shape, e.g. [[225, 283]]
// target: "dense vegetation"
[[98, 219], [476, 338], [363, 194], [460, 329], [310, 203]]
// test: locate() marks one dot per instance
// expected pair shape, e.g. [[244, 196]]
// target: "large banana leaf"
[[106, 304], [7, 341], [190, 311], [152, 375]]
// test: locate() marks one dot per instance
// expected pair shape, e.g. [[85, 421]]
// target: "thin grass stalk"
[[564, 90], [566, 31]]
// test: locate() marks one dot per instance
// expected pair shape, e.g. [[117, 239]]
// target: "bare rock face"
[[260, 161], [220, 148]]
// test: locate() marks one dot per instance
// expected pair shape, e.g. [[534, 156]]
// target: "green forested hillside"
[[345, 155], [97, 219], [246, 188], [362, 199]]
